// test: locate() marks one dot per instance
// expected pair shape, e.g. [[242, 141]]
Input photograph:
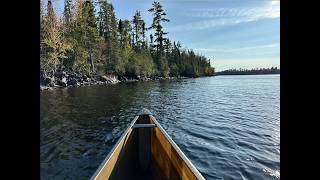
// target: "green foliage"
[[53, 45], [108, 29], [125, 55], [174, 70], [146, 63], [164, 66], [67, 11], [102, 44], [84, 37], [140, 64]]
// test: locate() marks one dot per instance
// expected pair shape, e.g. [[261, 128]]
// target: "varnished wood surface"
[[167, 158], [122, 154], [146, 153]]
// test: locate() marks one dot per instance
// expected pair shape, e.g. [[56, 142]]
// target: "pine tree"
[[158, 18], [151, 43], [138, 30], [67, 27], [144, 43], [67, 11], [91, 36], [104, 22], [126, 32], [126, 52], [85, 37], [115, 56], [80, 54], [108, 28], [167, 48], [53, 45], [120, 30]]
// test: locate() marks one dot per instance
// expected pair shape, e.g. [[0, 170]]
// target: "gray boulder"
[[104, 78], [72, 82], [61, 74], [48, 80], [63, 82]]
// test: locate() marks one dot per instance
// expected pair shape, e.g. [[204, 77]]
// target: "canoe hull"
[[146, 153]]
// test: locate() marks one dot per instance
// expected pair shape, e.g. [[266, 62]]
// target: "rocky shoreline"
[[63, 79]]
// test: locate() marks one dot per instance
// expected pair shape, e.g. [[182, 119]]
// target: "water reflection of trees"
[[84, 106]]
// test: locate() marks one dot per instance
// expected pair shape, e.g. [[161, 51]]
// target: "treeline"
[[272, 70], [89, 39]]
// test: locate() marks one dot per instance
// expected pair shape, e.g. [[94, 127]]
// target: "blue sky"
[[232, 33]]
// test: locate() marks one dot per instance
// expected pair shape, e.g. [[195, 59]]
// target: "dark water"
[[228, 126]]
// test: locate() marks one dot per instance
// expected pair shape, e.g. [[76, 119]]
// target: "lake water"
[[228, 126]]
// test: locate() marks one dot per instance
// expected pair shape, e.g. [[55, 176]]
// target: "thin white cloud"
[[230, 50], [271, 10], [217, 17]]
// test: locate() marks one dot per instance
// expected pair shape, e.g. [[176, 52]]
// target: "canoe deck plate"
[[144, 126]]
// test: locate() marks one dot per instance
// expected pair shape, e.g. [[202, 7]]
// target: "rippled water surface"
[[228, 126]]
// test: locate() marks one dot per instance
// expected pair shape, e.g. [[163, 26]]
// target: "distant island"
[[272, 70]]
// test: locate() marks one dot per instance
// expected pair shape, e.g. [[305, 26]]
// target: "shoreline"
[[63, 80]]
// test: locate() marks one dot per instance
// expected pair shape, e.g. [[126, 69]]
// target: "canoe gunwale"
[[103, 164], [176, 147], [112, 151]]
